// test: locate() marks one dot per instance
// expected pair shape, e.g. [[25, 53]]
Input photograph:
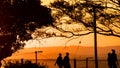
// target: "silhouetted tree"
[[18, 20], [80, 13]]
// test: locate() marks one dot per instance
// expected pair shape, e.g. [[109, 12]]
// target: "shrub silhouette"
[[27, 64]]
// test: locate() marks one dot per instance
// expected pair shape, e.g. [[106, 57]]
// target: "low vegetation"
[[26, 64]]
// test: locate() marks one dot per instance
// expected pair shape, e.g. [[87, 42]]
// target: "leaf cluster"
[[18, 20], [106, 14]]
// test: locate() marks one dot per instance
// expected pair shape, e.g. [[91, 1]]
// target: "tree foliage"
[[18, 20], [83, 13]]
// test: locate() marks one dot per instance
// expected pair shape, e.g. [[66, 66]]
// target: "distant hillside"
[[75, 52]]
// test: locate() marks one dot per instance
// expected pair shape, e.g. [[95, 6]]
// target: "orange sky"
[[87, 40], [46, 1], [52, 52]]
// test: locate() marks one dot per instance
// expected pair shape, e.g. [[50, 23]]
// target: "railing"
[[79, 63]]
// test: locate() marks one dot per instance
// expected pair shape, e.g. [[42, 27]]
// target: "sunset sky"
[[46, 2], [87, 40]]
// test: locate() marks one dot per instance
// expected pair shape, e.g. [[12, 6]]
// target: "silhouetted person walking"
[[109, 60], [66, 61], [59, 61], [113, 59]]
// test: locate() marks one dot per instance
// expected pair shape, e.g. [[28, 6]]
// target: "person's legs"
[[60, 66], [110, 66], [114, 65]]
